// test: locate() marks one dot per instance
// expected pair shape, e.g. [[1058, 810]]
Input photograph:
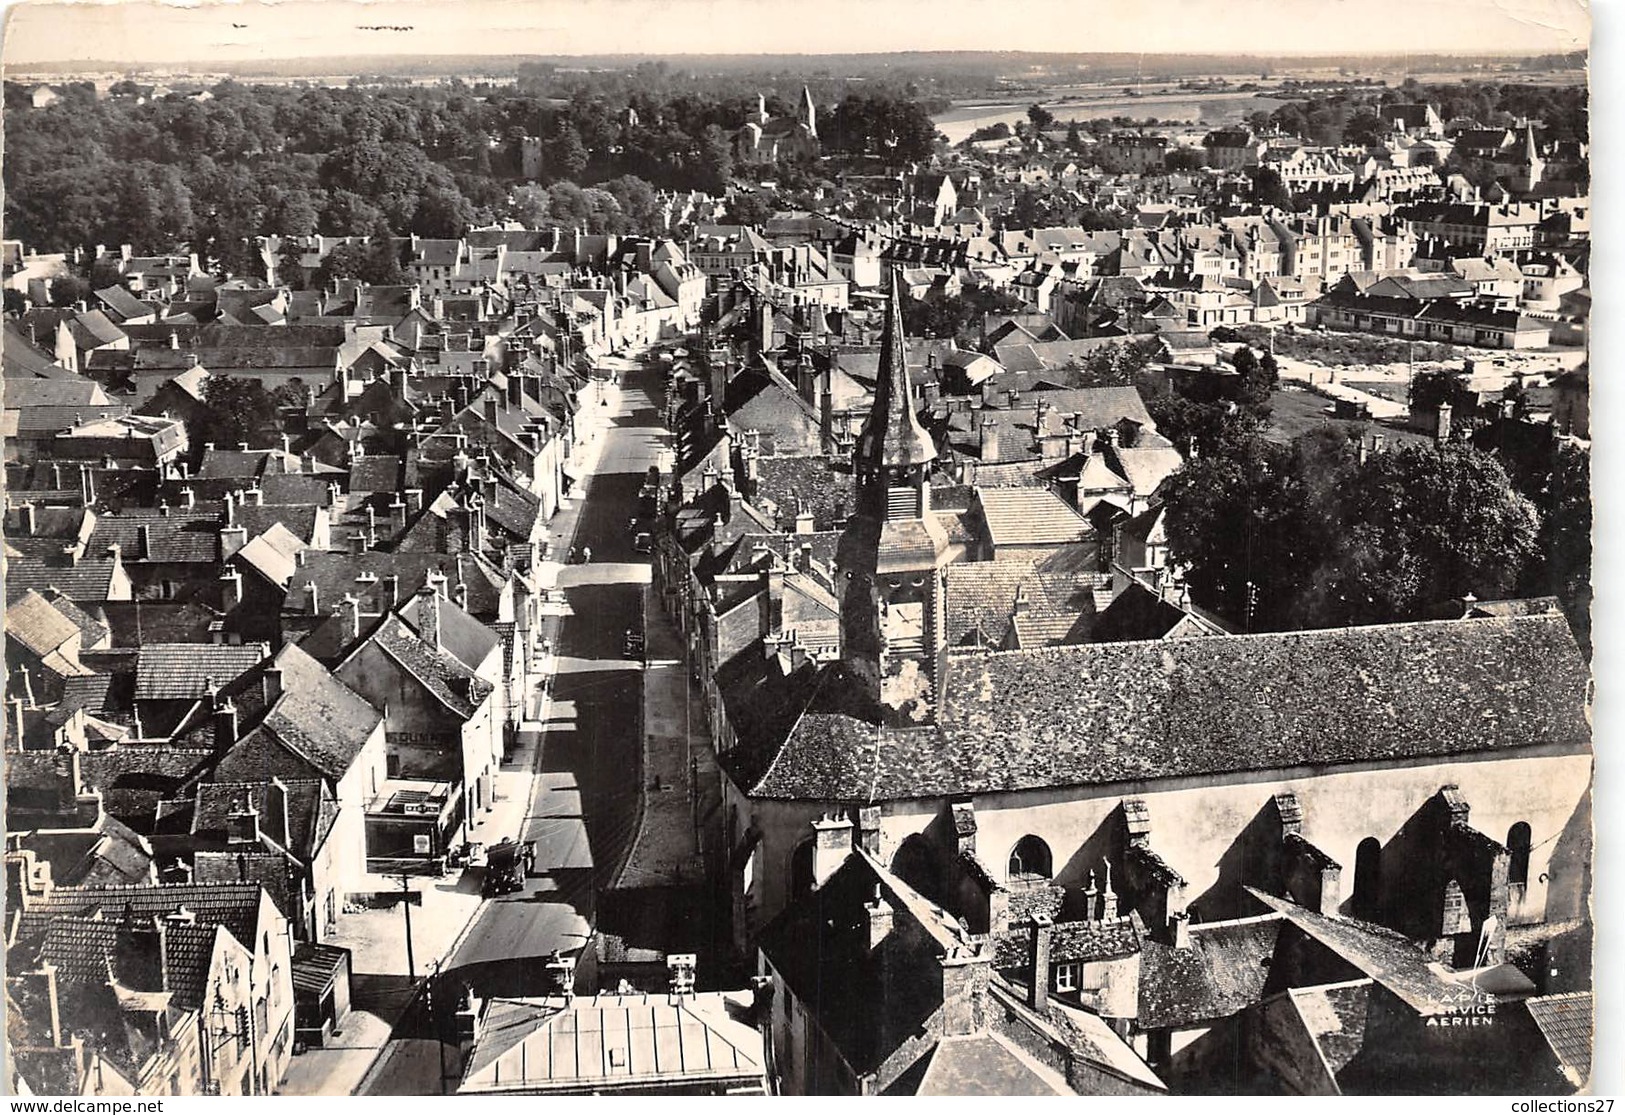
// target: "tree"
[[747, 208], [1366, 129], [1307, 535], [1040, 116], [564, 154], [1184, 159], [1270, 191], [1074, 140], [235, 410]]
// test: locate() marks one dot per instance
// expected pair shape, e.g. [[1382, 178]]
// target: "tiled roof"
[[452, 684], [1029, 516], [820, 945], [323, 720], [1070, 940], [981, 596], [303, 798], [1221, 973], [171, 538], [1391, 959], [180, 671], [233, 905], [37, 625], [787, 484], [981, 1064], [86, 581], [376, 474], [273, 554], [1566, 1022], [1129, 712], [91, 629]]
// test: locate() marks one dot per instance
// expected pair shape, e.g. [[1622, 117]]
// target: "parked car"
[[506, 863], [633, 647]]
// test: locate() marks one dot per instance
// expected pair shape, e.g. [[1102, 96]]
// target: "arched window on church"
[[1030, 859], [1518, 846], [801, 869], [1367, 876]]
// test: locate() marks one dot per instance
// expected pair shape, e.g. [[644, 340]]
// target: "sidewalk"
[[666, 850]]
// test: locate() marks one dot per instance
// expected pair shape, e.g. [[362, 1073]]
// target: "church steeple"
[[893, 446], [809, 112], [891, 553]]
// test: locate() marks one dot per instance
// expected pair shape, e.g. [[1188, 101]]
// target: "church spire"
[[892, 437], [809, 111]]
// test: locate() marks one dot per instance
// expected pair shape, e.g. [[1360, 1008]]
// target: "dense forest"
[[246, 160]]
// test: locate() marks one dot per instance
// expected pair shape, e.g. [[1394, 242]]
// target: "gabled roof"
[[318, 719], [273, 554], [1391, 959], [236, 906], [1221, 973], [1029, 516], [181, 671], [984, 1064], [38, 625], [1132, 712]]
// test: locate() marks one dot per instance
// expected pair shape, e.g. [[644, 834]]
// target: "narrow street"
[[583, 812]]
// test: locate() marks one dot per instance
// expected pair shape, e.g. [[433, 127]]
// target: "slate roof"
[[38, 625], [173, 538], [180, 671], [1566, 1023], [448, 680], [981, 595], [86, 581], [1222, 973], [321, 720], [786, 484], [311, 811], [87, 951], [1029, 516], [273, 554], [1130, 712]]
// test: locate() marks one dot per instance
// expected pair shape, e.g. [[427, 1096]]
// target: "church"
[[766, 140], [1333, 768]]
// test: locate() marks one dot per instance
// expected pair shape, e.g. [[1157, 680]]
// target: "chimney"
[[315, 604], [243, 823], [392, 591], [271, 685], [27, 515], [833, 843], [429, 615], [1179, 929], [232, 538], [880, 919], [47, 972], [1038, 966], [561, 975], [352, 605], [989, 441], [87, 484], [68, 779], [276, 811], [225, 725], [804, 520], [680, 973], [188, 497], [233, 591], [869, 829], [1108, 896]]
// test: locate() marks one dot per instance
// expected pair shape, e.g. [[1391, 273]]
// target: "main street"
[[583, 811]]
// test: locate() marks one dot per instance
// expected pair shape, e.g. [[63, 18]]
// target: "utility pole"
[[406, 906]]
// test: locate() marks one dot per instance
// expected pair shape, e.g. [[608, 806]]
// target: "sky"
[[245, 30]]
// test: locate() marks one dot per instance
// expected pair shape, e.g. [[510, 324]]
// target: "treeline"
[[1351, 116], [215, 170]]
